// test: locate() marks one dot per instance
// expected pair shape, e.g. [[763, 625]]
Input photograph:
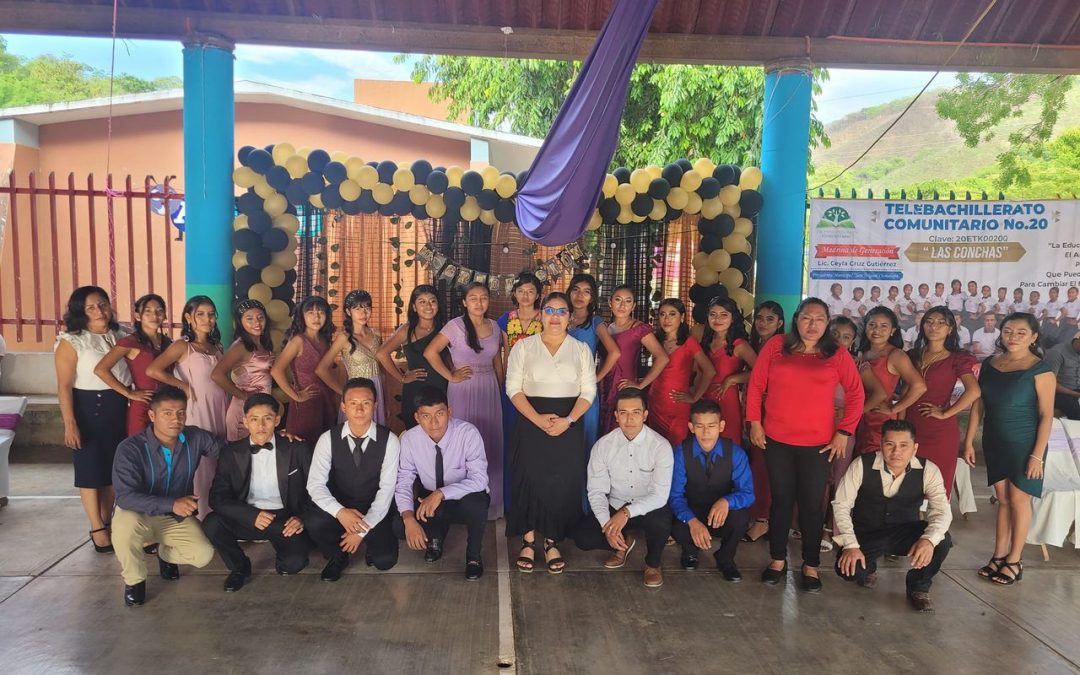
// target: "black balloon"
[[699, 294], [386, 171], [283, 292], [246, 240], [331, 198], [708, 227], [673, 214], [318, 159], [742, 262], [685, 164], [750, 202], [269, 148], [245, 277], [642, 205], [505, 211], [373, 164], [275, 240], [335, 172], [312, 182], [700, 312], [249, 203], [367, 203], [451, 219], [386, 210], [401, 204], [715, 291], [260, 257], [437, 182], [672, 173], [622, 174], [242, 154], [291, 209], [259, 221], [709, 188], [472, 183], [295, 193], [260, 161], [521, 178], [454, 198], [421, 169], [659, 188], [290, 277], [725, 174], [609, 210], [726, 223], [710, 243], [278, 177], [352, 208], [487, 199], [419, 211]]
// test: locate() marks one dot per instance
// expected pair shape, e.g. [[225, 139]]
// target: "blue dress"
[[591, 419]]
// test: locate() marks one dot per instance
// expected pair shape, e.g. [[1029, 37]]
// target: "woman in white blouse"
[[551, 380], [95, 416]]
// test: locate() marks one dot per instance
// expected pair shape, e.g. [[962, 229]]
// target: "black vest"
[[873, 511], [703, 489], [354, 486]]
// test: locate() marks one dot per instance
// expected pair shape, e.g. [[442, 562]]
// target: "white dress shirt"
[[836, 305], [987, 342], [922, 303], [973, 304], [1072, 309], [855, 308], [533, 370], [320, 474], [632, 473], [263, 492], [1037, 309], [955, 301], [1021, 306], [938, 513], [910, 335], [1053, 309], [964, 334], [905, 306], [937, 300]]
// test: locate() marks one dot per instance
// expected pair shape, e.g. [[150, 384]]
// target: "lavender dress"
[[476, 400]]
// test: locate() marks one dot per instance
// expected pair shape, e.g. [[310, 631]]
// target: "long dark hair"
[[299, 326], [952, 342], [771, 306], [841, 321], [187, 330], [1032, 323], [736, 332], [264, 342], [75, 319], [353, 299], [140, 334], [522, 279], [471, 337], [683, 331], [826, 345], [896, 340], [589, 279], [414, 318]]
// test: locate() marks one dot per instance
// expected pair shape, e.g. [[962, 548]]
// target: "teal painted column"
[[785, 150], [208, 166]]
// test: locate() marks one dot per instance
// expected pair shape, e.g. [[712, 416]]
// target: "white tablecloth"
[[9, 405], [1058, 511]]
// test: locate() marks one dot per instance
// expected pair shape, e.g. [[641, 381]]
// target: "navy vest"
[[355, 486], [873, 511], [704, 488]]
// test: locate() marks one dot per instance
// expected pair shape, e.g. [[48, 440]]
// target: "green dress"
[[1010, 422]]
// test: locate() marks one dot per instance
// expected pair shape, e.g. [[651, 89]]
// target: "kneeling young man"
[[711, 491], [260, 492], [629, 480], [877, 513], [353, 473], [444, 460], [153, 474]]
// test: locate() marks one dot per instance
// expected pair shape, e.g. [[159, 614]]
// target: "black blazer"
[[229, 492]]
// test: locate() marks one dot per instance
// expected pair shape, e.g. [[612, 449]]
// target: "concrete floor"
[[61, 611]]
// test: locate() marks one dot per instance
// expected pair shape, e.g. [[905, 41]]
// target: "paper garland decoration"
[[445, 269]]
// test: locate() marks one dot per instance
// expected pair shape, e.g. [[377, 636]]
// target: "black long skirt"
[[102, 420], [546, 474]]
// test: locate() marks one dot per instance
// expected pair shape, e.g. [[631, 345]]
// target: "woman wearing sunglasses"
[[551, 380]]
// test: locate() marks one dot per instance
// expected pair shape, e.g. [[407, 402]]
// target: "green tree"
[[671, 111]]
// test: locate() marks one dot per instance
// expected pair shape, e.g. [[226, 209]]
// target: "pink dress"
[[253, 377], [626, 368], [730, 407], [868, 435], [309, 419], [206, 411]]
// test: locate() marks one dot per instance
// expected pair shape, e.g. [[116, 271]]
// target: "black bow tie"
[[255, 448]]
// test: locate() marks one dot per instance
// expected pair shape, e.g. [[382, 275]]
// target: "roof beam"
[[80, 19]]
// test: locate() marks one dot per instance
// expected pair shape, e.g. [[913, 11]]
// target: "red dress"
[[730, 407], [868, 437], [670, 418], [309, 419], [138, 417], [939, 440]]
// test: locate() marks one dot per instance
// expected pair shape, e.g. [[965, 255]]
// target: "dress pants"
[[729, 533], [291, 552], [797, 474], [470, 511], [1068, 405], [656, 524], [380, 543], [182, 543], [898, 540]]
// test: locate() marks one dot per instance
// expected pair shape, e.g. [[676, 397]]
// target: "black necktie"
[[708, 466], [439, 482], [357, 453], [256, 447]]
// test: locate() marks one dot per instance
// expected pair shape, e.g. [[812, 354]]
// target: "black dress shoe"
[[689, 560], [773, 577], [434, 550], [135, 595], [334, 568], [169, 571], [731, 574], [474, 569], [150, 549], [811, 584], [235, 580]]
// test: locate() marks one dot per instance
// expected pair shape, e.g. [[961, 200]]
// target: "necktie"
[[256, 447], [357, 454], [708, 466], [439, 482]]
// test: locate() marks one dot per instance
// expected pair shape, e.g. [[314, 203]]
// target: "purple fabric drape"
[[556, 200]]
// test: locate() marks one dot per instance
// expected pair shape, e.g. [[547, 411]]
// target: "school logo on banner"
[[836, 217]]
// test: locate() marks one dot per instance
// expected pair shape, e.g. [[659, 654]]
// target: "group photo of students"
[[571, 420]]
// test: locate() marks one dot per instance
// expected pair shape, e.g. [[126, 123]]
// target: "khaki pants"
[[181, 543]]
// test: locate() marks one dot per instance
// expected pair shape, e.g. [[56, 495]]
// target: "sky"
[[330, 72]]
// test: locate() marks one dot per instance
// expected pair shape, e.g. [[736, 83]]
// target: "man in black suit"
[[259, 492]]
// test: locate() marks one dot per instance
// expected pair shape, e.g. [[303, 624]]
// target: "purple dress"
[[476, 400], [626, 368]]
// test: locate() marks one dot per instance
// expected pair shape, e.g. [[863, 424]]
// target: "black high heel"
[[524, 563], [555, 565], [100, 549], [1003, 579], [991, 568]]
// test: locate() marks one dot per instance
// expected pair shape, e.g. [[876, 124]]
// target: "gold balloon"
[[735, 244], [244, 176], [419, 194], [705, 277], [367, 177], [744, 299], [339, 156], [277, 310], [262, 188], [349, 189], [610, 185], [506, 186], [744, 226], [654, 172], [284, 259], [240, 222], [491, 176], [382, 193], [711, 208], [678, 198], [637, 218], [487, 217], [239, 259], [273, 276], [750, 179], [261, 292], [403, 180], [282, 152], [700, 259], [353, 166], [639, 179], [436, 207], [625, 193], [470, 210], [719, 260], [625, 215], [733, 211], [732, 278], [287, 222], [691, 180], [729, 195], [704, 166], [454, 174], [693, 203], [275, 204], [277, 337], [405, 165], [316, 201], [595, 221], [659, 210], [304, 152], [297, 166], [292, 243]]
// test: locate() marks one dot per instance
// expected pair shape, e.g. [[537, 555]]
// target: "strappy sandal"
[[526, 564], [991, 568], [107, 548], [554, 565], [1002, 579]]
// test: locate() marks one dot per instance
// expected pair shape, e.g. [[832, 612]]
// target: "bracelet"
[[1037, 459]]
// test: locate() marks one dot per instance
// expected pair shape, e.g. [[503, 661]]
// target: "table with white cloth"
[[11, 411], [1057, 512]]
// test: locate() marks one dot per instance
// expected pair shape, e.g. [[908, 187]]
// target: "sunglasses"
[[556, 311]]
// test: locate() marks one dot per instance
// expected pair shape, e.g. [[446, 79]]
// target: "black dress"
[[414, 357]]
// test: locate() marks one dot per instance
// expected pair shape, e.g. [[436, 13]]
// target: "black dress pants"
[[291, 552], [797, 474], [1068, 405], [729, 533], [656, 524], [470, 511], [898, 540], [380, 542]]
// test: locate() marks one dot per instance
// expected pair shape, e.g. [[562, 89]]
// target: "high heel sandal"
[[525, 564], [108, 548], [1002, 579], [991, 568], [555, 565]]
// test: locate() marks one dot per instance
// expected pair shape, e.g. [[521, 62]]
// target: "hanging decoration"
[[447, 269]]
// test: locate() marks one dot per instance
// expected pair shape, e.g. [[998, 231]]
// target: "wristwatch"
[[842, 432], [570, 421]]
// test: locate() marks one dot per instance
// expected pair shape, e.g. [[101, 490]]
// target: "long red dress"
[[868, 436], [626, 368], [138, 413], [939, 440], [730, 406], [670, 418]]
